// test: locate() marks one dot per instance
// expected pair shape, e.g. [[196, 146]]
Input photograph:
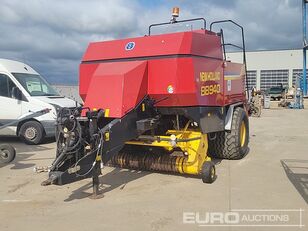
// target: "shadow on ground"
[[297, 172], [117, 178]]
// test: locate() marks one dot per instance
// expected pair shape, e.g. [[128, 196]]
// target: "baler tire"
[[208, 172], [228, 144]]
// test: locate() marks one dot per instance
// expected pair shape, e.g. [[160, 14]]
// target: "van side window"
[[6, 86], [4, 90]]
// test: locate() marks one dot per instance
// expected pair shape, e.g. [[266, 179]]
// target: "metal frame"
[[194, 143], [305, 45], [243, 48], [223, 42], [173, 22], [229, 116]]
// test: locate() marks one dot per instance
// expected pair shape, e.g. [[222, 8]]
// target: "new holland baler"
[[166, 102]]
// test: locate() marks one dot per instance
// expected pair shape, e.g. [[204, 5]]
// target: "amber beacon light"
[[175, 12]]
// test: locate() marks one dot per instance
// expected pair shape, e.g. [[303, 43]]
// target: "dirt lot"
[[273, 176]]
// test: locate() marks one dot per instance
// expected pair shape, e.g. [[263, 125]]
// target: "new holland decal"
[[210, 89]]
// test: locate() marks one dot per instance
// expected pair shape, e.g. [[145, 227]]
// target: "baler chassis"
[[166, 103], [86, 143]]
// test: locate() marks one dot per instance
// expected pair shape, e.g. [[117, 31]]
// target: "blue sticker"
[[129, 46]]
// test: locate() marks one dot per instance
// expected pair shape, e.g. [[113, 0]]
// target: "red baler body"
[[179, 70]]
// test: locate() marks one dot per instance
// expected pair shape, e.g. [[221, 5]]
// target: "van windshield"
[[35, 84]]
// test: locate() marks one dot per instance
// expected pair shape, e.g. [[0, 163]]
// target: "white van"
[[22, 92]]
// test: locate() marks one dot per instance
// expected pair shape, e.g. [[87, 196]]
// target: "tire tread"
[[226, 145]]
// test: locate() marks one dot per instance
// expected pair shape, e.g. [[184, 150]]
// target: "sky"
[[52, 35]]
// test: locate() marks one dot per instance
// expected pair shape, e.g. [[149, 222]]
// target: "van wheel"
[[32, 132]]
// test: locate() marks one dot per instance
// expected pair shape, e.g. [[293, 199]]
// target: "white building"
[[270, 68]]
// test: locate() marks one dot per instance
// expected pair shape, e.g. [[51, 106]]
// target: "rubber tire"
[[40, 133], [257, 112], [227, 144], [10, 151], [206, 172]]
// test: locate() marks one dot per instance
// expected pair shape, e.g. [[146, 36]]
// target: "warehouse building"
[[270, 68]]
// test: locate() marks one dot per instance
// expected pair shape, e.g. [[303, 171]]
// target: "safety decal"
[[229, 85]]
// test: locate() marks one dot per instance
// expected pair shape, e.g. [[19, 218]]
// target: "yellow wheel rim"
[[243, 134], [212, 172]]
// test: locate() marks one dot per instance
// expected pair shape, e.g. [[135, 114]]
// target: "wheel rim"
[[212, 172], [30, 133], [243, 134], [4, 154]]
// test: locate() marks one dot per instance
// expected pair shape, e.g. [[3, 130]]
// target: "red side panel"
[[234, 78], [198, 42], [85, 74], [117, 86], [189, 81], [209, 81], [173, 81]]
